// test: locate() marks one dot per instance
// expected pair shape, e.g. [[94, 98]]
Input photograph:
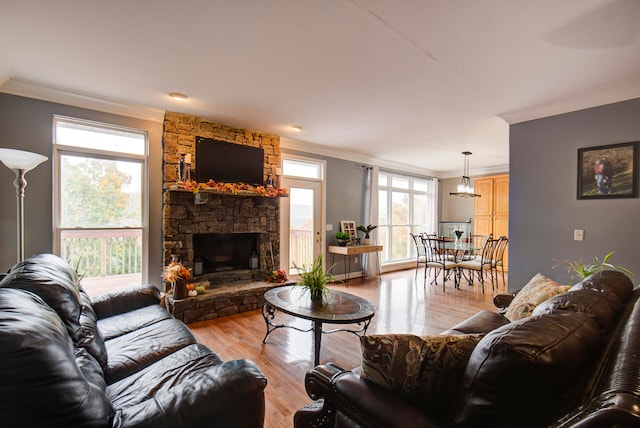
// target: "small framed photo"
[[349, 226], [607, 172]]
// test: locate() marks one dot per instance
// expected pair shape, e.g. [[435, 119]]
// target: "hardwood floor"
[[403, 305]]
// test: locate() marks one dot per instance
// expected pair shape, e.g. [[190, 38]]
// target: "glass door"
[[301, 223]]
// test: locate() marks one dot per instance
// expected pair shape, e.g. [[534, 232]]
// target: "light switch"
[[578, 235], [329, 227]]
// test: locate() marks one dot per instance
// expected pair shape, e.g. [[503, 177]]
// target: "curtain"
[[371, 215]]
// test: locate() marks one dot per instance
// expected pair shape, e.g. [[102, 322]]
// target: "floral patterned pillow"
[[537, 290], [424, 370]]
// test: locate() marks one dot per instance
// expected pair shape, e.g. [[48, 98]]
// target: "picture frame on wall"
[[608, 172], [349, 226]]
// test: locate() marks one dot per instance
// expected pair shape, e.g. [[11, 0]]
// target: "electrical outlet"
[[355, 260], [578, 235]]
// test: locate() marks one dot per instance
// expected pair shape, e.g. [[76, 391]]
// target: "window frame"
[[431, 196], [60, 150]]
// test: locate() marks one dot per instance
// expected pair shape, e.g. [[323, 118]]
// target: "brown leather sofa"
[[119, 360], [574, 363]]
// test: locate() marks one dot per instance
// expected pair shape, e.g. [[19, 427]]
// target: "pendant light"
[[465, 189]]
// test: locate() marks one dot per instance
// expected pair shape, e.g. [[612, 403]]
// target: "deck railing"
[[301, 246], [103, 252]]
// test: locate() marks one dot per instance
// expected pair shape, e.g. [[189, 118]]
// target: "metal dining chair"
[[498, 258], [437, 258], [480, 265], [421, 257]]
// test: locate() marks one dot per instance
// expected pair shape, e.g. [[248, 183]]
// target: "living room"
[[542, 159]]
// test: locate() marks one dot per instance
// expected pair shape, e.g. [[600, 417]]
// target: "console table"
[[352, 251]]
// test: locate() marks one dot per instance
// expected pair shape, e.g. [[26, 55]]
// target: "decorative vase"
[[367, 241], [179, 289], [342, 242]]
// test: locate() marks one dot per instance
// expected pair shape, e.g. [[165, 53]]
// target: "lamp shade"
[[19, 159]]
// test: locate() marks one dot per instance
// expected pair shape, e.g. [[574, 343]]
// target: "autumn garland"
[[233, 188]]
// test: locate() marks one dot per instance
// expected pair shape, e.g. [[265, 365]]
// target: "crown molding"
[[334, 152], [31, 89]]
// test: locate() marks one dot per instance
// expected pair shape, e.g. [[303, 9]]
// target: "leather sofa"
[[574, 363], [119, 360]]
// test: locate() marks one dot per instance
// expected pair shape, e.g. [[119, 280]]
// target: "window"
[[405, 205], [100, 209]]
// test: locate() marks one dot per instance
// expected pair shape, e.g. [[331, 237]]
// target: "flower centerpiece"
[[314, 279], [177, 275]]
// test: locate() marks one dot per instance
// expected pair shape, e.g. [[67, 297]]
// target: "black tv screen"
[[228, 162]]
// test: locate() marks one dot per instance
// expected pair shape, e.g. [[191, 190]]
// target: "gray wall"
[[26, 124], [543, 206]]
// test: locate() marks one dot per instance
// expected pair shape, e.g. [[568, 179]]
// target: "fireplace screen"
[[222, 252]]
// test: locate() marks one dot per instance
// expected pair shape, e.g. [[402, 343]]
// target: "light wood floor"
[[403, 305]]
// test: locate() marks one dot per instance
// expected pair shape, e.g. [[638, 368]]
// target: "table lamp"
[[20, 162]]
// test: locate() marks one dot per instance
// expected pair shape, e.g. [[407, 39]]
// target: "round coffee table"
[[337, 307]]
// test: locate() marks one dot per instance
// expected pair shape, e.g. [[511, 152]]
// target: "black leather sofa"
[[574, 363], [119, 360]]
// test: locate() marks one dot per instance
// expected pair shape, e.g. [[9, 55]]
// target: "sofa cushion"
[[89, 336], [193, 386], [42, 384], [136, 319], [537, 290], [423, 370], [603, 307], [54, 281], [609, 280], [521, 373], [482, 322], [140, 348]]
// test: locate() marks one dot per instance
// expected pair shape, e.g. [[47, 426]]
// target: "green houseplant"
[[366, 230], [342, 238], [582, 270], [314, 279]]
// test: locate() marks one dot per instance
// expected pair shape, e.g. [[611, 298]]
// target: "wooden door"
[[491, 210]]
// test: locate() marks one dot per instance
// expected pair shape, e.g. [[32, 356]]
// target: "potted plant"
[[314, 279], [583, 270], [366, 230], [342, 238]]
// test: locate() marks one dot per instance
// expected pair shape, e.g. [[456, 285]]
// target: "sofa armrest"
[[344, 395], [125, 300], [503, 300]]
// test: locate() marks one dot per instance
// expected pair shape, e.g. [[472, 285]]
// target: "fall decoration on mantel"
[[233, 188]]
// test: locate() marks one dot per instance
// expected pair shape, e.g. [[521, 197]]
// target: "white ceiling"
[[410, 83]]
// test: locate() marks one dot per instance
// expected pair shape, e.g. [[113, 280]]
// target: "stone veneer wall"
[[222, 213]]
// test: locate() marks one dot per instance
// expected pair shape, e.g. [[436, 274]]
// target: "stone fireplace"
[[220, 236]]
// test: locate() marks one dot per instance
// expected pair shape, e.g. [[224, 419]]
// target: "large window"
[[100, 210], [405, 204]]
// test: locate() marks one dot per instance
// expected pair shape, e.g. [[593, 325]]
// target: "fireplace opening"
[[223, 252]]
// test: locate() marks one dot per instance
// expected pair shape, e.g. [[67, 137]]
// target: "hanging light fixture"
[[465, 189]]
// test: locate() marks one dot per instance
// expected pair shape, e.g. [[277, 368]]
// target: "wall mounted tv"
[[228, 162]]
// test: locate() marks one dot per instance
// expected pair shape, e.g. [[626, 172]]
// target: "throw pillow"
[[425, 371], [537, 290]]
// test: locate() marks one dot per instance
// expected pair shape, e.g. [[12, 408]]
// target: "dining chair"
[[437, 258], [421, 257], [498, 257], [479, 265], [478, 242]]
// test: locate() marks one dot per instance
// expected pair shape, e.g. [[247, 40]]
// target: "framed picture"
[[349, 226], [607, 172]]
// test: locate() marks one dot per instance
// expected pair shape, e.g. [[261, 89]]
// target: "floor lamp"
[[20, 162]]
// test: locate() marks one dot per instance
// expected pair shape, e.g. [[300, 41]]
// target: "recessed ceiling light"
[[296, 128], [178, 96]]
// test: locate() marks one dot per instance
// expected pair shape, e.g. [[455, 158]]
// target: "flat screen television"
[[228, 162]]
